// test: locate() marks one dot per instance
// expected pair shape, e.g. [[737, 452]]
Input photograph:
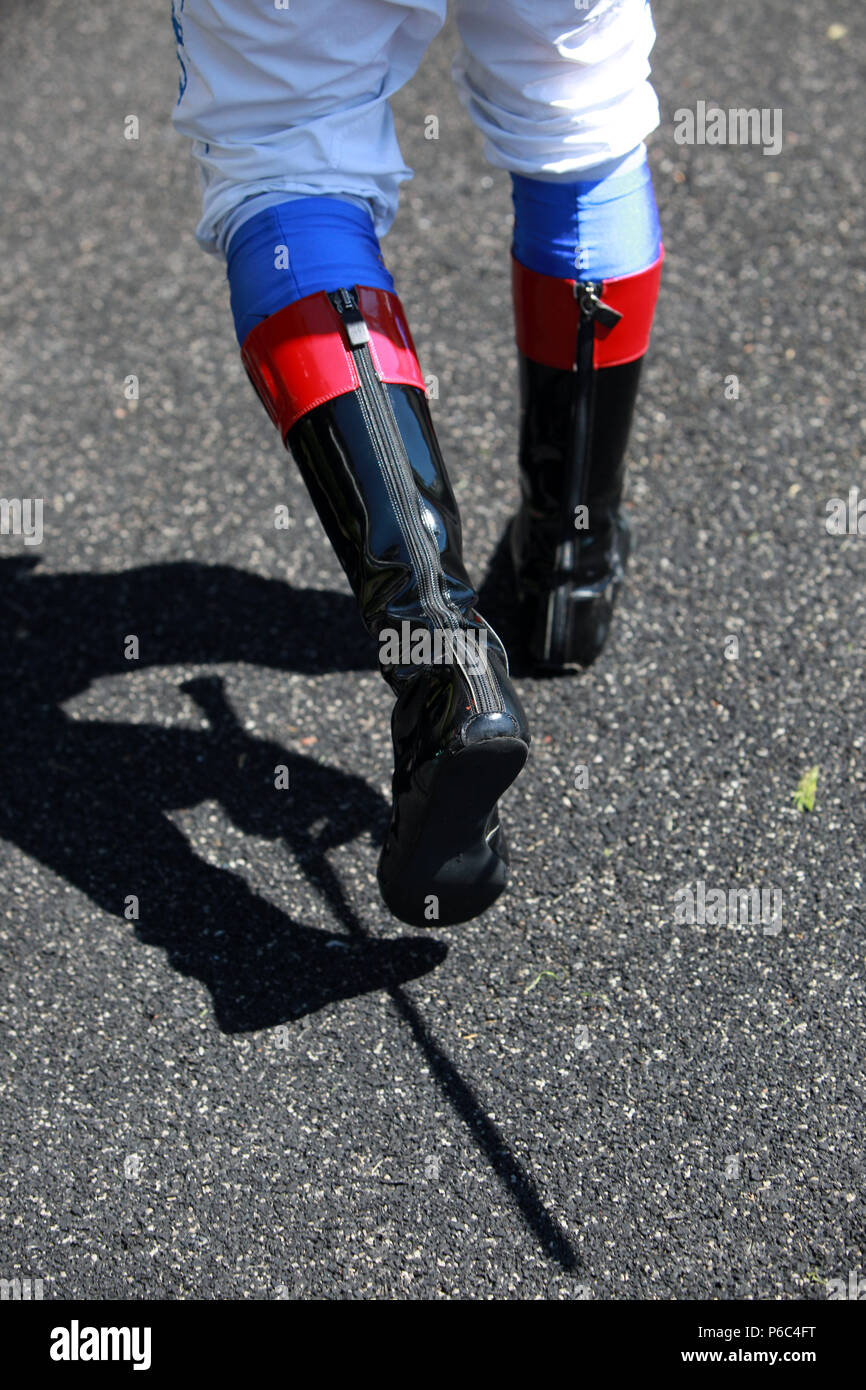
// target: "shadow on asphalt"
[[90, 800], [498, 604]]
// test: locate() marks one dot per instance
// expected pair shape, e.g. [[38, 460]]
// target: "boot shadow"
[[497, 602], [91, 800]]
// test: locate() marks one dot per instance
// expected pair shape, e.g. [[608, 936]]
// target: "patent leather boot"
[[580, 348], [339, 374]]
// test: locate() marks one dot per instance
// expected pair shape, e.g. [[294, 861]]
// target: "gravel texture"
[[263, 1086]]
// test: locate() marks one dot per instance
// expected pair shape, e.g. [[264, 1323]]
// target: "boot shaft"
[[338, 374], [580, 349]]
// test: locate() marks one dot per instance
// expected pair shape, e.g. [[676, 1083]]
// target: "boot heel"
[[571, 627], [455, 864]]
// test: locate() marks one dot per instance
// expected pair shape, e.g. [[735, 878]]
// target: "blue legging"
[[591, 229]]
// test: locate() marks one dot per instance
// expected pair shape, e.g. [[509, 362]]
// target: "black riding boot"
[[339, 375], [580, 351]]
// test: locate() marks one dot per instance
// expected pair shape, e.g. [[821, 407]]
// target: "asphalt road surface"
[[227, 1073]]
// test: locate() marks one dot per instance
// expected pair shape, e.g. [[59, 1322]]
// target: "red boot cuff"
[[546, 316], [300, 357]]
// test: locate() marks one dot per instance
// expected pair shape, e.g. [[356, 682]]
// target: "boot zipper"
[[592, 310], [396, 468]]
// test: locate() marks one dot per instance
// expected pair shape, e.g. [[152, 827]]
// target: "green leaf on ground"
[[804, 796]]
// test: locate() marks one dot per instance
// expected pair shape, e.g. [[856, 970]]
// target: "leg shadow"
[[92, 801]]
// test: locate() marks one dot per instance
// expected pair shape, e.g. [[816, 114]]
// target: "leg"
[[294, 101], [562, 97], [327, 347]]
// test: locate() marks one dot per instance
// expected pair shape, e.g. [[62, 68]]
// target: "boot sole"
[[458, 865]]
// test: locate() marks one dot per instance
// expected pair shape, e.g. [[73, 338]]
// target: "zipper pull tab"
[[594, 308], [346, 304]]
